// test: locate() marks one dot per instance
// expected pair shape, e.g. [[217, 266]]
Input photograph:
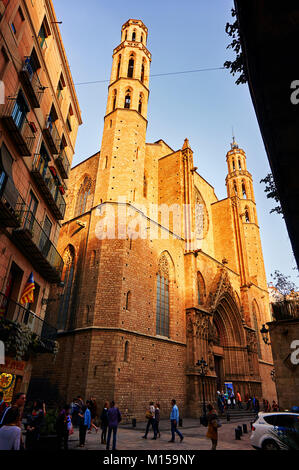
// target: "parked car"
[[275, 431]]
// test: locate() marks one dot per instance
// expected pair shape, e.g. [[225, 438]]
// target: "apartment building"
[[39, 120]]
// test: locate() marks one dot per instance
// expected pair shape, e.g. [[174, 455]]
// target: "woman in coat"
[[212, 426]]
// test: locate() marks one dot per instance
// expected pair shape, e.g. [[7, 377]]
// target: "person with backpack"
[[213, 425], [150, 416], [114, 418]]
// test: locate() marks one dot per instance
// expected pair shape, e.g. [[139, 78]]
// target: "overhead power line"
[[157, 75]]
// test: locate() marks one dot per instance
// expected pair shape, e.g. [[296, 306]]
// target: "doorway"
[[219, 371]]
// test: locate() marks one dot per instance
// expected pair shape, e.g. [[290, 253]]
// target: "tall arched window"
[[127, 352], [162, 309], [128, 99], [126, 35], [128, 300], [142, 70], [257, 329], [114, 99], [140, 103], [234, 165], [235, 188], [247, 219], [83, 194], [240, 168], [244, 190], [118, 66], [141, 38], [144, 185], [200, 289], [134, 36], [67, 278], [131, 66]]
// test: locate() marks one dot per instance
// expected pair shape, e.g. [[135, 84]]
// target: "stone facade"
[[147, 294]]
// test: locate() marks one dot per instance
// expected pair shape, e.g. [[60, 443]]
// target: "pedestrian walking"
[[104, 422], [75, 408], [174, 420], [212, 432], [10, 432], [157, 419], [85, 423], [239, 400], [94, 414], [34, 423], [150, 416], [220, 403], [114, 418], [63, 427]]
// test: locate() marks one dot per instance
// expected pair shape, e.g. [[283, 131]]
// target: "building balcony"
[[17, 313], [10, 205], [63, 164], [31, 84], [35, 244], [51, 136], [22, 132], [48, 187]]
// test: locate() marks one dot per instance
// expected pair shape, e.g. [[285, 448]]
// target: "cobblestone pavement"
[[129, 438]]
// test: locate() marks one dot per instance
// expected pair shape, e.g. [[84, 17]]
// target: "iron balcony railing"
[[63, 164], [31, 82], [17, 313], [49, 186], [38, 246], [15, 120], [52, 135], [10, 203]]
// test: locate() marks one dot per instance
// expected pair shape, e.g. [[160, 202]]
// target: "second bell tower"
[[121, 167]]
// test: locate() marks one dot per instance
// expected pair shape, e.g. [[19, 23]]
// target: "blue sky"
[[202, 106]]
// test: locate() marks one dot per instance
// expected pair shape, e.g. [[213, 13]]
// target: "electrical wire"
[[156, 75]]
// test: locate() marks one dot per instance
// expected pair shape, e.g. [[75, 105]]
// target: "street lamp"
[[203, 370], [265, 333]]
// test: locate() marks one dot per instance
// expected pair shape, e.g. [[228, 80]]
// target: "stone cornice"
[[121, 331], [135, 44], [136, 22], [128, 78]]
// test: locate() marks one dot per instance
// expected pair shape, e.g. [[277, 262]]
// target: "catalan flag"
[[27, 296]]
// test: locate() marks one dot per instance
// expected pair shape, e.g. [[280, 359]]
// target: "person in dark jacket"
[[34, 424], [104, 422], [63, 427], [114, 418]]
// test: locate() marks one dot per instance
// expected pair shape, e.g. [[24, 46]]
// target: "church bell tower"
[[121, 166]]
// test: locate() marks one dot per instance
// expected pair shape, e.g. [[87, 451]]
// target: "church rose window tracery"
[[162, 309]]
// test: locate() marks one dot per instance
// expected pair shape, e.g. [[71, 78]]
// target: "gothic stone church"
[[137, 313]]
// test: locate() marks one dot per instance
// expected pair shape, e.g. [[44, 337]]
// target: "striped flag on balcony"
[[27, 296]]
